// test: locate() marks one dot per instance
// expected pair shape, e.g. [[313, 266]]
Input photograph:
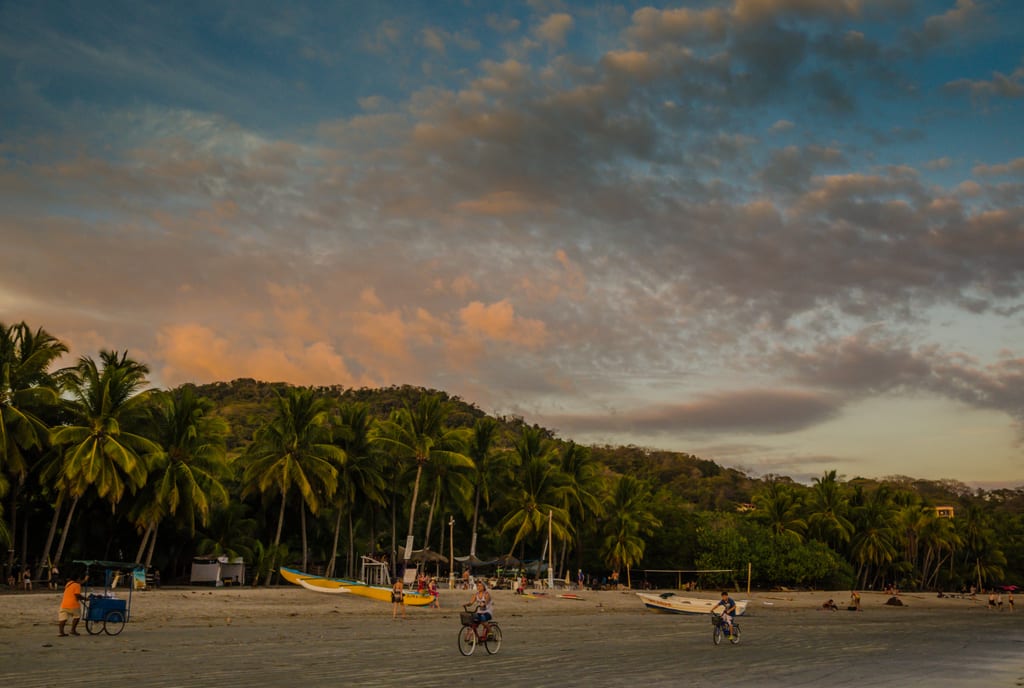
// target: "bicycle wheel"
[[735, 637], [467, 640], [93, 627], [113, 623], [717, 635], [493, 641]]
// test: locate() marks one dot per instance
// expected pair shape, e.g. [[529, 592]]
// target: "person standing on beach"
[[434, 592], [397, 599], [854, 605], [728, 606], [1009, 600], [70, 607]]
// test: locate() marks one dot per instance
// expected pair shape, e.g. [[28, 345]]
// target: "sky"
[[785, 235]]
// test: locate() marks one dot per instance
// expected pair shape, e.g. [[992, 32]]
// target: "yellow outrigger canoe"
[[342, 585]]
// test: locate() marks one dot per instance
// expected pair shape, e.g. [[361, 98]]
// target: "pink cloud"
[[499, 322]]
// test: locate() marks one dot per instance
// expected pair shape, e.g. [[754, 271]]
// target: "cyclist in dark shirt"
[[728, 608]]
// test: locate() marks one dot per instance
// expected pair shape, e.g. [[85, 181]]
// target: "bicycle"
[[721, 630], [474, 632]]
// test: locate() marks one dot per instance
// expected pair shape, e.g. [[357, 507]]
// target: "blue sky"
[[786, 235]]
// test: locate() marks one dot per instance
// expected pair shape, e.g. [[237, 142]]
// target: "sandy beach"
[[288, 636]]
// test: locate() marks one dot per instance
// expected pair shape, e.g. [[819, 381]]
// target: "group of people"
[[24, 578], [995, 600], [853, 605], [481, 600]]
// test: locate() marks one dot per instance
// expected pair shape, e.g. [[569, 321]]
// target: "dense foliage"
[[94, 464]]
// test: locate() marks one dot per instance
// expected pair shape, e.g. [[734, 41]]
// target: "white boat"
[[680, 604]]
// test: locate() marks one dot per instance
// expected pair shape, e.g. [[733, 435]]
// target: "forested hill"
[[246, 404]]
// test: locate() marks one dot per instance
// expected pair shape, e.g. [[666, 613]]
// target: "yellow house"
[[944, 511]]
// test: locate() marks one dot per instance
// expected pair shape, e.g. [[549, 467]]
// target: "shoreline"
[[282, 636]]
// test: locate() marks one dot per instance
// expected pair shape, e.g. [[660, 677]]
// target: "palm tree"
[[537, 494], [452, 478], [359, 477], [583, 490], [873, 547], [101, 448], [418, 434], [293, 450], [828, 511], [779, 509], [629, 519], [490, 464], [26, 389], [940, 542], [188, 472], [229, 532], [984, 559]]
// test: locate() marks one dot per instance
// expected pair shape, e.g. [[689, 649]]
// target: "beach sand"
[[289, 636]]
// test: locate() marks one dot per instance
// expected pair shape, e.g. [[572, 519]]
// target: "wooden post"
[[750, 569]]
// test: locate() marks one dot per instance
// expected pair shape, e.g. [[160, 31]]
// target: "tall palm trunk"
[[476, 519], [13, 528], [145, 541], [277, 541], [152, 545], [44, 559], [412, 507], [351, 545], [334, 548], [430, 514], [394, 530], [305, 546], [67, 527]]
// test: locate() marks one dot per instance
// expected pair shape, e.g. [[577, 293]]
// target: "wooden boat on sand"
[[681, 604], [375, 591]]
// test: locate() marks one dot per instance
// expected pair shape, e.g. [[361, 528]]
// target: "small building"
[[944, 511], [218, 570]]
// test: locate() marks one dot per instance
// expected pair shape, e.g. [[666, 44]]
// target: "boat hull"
[[678, 604], [358, 588]]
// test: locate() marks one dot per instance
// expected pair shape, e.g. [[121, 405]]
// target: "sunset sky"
[[786, 235]]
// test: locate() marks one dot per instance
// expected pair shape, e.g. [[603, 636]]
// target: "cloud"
[[498, 322], [753, 411], [654, 27], [554, 29], [1013, 167]]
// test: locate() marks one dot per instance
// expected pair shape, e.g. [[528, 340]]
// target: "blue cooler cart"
[[103, 611]]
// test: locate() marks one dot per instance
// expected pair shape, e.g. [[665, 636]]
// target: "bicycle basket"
[[467, 618]]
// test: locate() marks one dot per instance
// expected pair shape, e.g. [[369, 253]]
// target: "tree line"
[[94, 463]]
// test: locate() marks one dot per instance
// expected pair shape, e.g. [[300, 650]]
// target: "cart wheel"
[[113, 623], [93, 627]]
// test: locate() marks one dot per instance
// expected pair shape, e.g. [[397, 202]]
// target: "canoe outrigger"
[[681, 604], [375, 584]]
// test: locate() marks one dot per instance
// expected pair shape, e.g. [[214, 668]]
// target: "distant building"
[[944, 511], [745, 507]]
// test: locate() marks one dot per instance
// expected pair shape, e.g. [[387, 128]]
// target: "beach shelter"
[[218, 570]]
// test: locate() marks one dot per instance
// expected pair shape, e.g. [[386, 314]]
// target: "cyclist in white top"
[[484, 603]]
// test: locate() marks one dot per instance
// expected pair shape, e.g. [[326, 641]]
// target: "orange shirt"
[[71, 592]]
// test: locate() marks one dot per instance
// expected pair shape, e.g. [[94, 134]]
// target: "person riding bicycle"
[[728, 606], [484, 604]]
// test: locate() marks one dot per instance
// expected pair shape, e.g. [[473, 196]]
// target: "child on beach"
[[436, 603], [397, 599]]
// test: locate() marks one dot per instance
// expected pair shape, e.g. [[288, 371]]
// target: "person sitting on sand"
[[830, 604], [728, 607]]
